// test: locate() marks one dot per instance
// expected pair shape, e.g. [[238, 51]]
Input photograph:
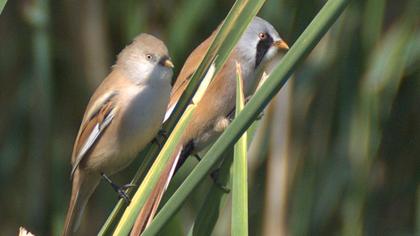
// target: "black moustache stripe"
[[262, 49]]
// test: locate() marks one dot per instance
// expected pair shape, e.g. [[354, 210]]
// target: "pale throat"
[[136, 71]]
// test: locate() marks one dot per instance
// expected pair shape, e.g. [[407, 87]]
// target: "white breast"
[[142, 117]]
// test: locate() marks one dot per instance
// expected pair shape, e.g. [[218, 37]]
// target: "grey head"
[[260, 42], [145, 60]]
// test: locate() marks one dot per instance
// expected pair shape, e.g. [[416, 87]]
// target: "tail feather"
[[83, 186], [149, 209]]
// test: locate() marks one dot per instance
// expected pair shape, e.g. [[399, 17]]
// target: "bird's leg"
[[160, 138], [119, 189], [197, 157]]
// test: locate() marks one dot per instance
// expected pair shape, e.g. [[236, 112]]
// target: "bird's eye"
[[262, 35], [149, 57]]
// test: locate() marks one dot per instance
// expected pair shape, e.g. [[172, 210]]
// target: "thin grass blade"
[[239, 225]]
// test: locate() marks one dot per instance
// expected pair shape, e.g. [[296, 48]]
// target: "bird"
[[255, 49], [123, 115]]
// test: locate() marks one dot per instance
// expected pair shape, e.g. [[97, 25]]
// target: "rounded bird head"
[[260, 42], [146, 59]]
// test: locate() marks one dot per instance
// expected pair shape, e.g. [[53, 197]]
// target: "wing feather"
[[97, 118], [190, 66]]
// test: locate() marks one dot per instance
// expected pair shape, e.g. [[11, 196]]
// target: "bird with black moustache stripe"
[[256, 47]]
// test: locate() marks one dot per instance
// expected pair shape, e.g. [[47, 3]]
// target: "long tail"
[[83, 186], [149, 209]]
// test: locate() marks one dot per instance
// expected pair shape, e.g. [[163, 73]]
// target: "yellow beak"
[[280, 44], [168, 63]]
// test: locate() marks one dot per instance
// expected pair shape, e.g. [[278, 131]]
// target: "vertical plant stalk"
[[305, 43], [93, 37], [378, 90], [279, 168], [187, 18], [372, 23], [37, 14], [239, 226]]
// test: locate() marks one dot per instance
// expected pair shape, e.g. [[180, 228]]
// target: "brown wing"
[[98, 116], [190, 66], [148, 211]]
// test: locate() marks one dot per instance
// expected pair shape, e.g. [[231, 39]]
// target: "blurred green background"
[[337, 152]]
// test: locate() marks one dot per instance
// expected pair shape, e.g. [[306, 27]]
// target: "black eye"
[[149, 57], [262, 35]]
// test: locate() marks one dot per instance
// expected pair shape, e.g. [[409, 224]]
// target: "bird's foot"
[[120, 190], [163, 133], [160, 138]]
